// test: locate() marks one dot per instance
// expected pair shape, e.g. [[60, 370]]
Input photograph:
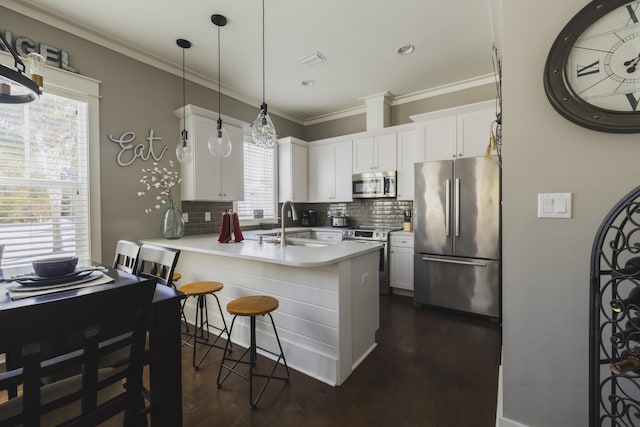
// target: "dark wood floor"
[[430, 368]]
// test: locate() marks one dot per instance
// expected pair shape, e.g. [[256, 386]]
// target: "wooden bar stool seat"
[[252, 306], [200, 290]]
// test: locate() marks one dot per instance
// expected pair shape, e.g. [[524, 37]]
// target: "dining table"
[[165, 366]]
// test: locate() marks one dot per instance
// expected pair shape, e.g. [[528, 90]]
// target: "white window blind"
[[44, 179], [259, 181]]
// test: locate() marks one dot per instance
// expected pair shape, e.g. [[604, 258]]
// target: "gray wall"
[[400, 114], [134, 97], [546, 261]]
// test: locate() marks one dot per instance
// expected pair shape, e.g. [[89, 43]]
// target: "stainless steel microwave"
[[374, 184]]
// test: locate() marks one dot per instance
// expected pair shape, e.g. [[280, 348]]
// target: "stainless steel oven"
[[369, 234]]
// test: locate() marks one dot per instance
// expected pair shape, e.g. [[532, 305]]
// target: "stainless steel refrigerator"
[[457, 246]]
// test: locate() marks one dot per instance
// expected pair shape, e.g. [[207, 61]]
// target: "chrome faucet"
[[294, 216]]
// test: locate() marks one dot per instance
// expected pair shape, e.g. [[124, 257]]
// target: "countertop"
[[291, 255]]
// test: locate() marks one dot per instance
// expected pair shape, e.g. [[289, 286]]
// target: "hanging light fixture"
[[15, 86], [184, 150], [219, 141], [264, 133]]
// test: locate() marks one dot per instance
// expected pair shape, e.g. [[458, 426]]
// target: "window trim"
[[86, 89]]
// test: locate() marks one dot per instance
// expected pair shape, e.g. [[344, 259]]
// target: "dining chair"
[[126, 256], [157, 261], [86, 328]]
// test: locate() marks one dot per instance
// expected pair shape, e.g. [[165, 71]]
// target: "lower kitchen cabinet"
[[401, 261]]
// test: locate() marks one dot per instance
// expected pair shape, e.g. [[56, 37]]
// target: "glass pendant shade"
[[263, 131], [219, 142], [184, 153]]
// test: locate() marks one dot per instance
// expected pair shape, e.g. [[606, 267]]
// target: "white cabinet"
[[401, 261], [374, 153], [335, 236], [208, 178], [455, 132], [407, 153], [437, 139], [330, 172], [292, 170], [473, 130]]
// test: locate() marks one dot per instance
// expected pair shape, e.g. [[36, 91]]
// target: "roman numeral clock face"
[[592, 74]]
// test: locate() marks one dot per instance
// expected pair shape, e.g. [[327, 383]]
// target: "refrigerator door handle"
[[455, 261], [447, 207], [457, 208]]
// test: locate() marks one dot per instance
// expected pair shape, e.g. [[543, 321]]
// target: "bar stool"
[[177, 276], [200, 290], [252, 306]]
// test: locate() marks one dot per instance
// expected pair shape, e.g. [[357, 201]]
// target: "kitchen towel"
[[224, 236], [237, 233]]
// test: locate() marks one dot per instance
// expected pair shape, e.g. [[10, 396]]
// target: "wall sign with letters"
[[55, 57], [129, 153]]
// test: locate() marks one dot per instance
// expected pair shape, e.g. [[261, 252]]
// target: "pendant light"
[[184, 150], [15, 86], [264, 133], [219, 141]]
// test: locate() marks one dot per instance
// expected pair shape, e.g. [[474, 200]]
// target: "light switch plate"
[[554, 205]]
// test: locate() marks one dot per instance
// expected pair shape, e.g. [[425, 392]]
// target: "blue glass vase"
[[172, 225]]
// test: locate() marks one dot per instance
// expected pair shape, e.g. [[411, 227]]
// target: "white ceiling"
[[359, 38]]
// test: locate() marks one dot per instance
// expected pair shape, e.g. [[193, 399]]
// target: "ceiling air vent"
[[314, 58]]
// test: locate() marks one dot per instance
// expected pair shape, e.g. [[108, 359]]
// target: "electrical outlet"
[[288, 214], [364, 278], [185, 216], [207, 216]]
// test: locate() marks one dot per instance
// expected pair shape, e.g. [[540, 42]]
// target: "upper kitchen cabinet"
[[374, 153], [330, 172], [208, 178], [292, 170], [407, 154], [455, 132]]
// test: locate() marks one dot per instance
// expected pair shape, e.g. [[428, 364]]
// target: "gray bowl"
[[55, 267]]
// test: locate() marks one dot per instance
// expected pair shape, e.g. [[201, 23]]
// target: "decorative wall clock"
[[592, 73]]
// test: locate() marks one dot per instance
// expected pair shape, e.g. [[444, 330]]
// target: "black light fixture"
[[219, 141], [184, 150], [15, 86], [263, 131]]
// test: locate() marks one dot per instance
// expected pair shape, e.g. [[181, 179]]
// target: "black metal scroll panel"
[[618, 405], [616, 242]]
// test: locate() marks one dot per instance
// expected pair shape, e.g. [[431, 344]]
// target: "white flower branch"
[[162, 180]]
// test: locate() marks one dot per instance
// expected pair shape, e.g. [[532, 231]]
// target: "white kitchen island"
[[328, 312]]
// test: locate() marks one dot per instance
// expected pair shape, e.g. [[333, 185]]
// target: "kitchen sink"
[[300, 242]]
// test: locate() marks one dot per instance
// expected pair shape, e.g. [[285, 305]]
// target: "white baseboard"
[[501, 421], [505, 422]]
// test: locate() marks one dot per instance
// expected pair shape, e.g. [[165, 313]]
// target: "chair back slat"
[[56, 359], [157, 261], [126, 256]]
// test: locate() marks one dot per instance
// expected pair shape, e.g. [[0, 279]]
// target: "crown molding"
[[25, 7]]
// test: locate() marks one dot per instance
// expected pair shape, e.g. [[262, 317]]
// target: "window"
[[259, 182], [44, 179]]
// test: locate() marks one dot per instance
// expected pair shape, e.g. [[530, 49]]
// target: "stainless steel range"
[[375, 233]]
